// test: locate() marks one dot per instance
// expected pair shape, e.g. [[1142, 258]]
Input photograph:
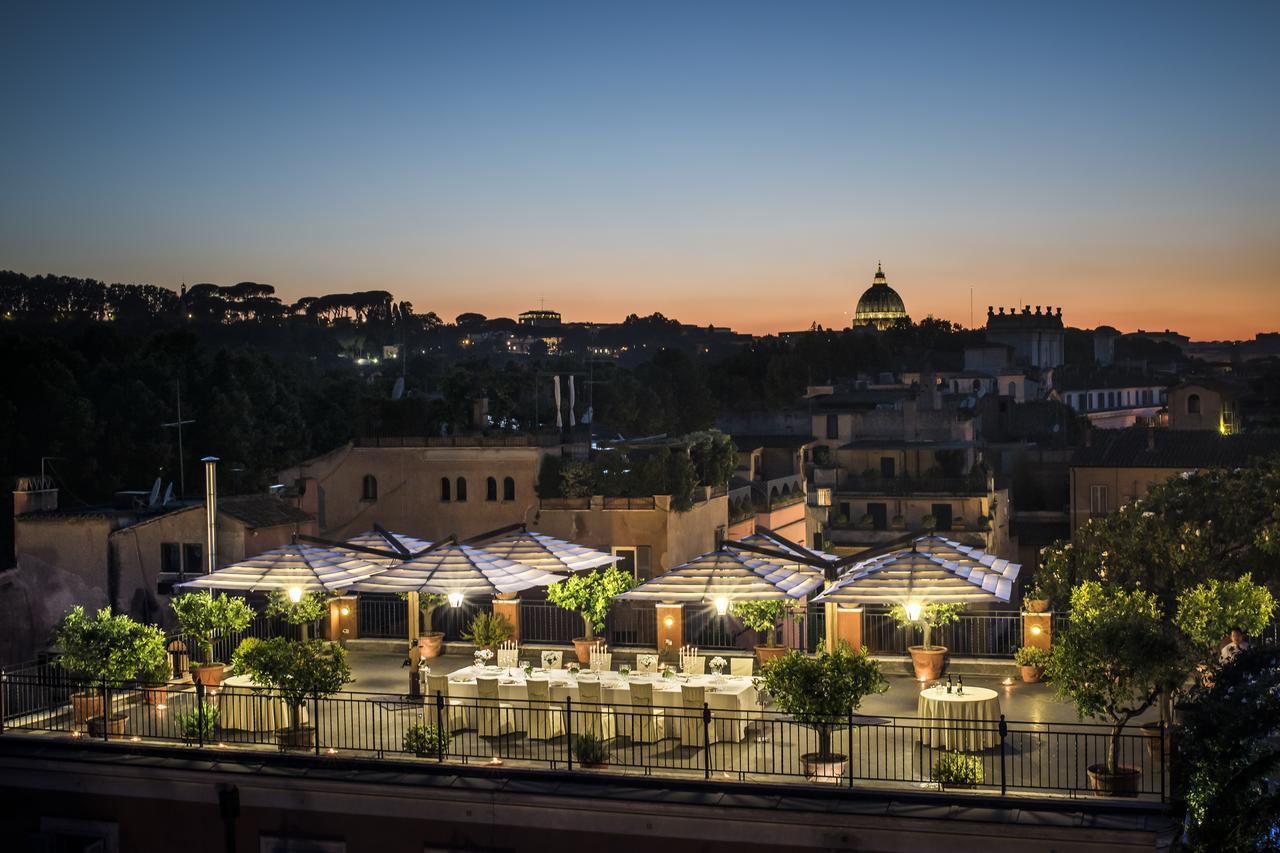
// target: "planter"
[[823, 769], [1151, 739], [156, 694], [303, 737], [767, 653], [1032, 674], [928, 662], [115, 724], [1122, 783], [582, 647], [1035, 605], [429, 645], [208, 674], [603, 765], [85, 705]]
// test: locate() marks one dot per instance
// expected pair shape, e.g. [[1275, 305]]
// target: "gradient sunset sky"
[[738, 163]]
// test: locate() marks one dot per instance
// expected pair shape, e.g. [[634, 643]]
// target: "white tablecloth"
[[249, 707], [728, 697], [966, 721]]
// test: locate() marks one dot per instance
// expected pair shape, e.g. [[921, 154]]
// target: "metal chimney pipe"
[[211, 512]]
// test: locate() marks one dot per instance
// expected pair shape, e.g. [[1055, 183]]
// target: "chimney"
[[35, 494], [211, 512]]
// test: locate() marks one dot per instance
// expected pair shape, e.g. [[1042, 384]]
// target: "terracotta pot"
[[928, 662], [299, 738], [768, 653], [85, 705], [582, 647], [210, 674], [156, 694], [1151, 739], [1032, 674], [429, 645], [1035, 605], [112, 725], [823, 769], [1122, 783]]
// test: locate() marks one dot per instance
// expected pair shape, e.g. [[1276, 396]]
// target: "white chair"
[[645, 723], [692, 700], [552, 660], [594, 718], [601, 661], [646, 663], [545, 721], [457, 712], [509, 654], [741, 667], [693, 664], [494, 718]]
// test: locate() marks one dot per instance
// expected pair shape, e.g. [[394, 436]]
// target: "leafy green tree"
[[1116, 657], [299, 670], [590, 595], [823, 690], [303, 612], [106, 647], [926, 617], [204, 617], [1209, 611], [765, 617]]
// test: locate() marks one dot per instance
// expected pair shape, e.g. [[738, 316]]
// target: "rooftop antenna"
[[970, 306], [179, 424]]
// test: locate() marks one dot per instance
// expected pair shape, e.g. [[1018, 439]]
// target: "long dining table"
[[728, 697]]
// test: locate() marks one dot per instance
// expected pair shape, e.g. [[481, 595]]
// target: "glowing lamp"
[[1035, 630], [668, 621], [345, 611], [913, 612], [722, 605], [295, 594], [455, 599]]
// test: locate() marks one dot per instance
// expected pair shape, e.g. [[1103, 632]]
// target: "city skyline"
[[738, 165]]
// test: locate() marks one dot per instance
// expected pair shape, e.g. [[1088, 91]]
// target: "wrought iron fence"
[[690, 738], [997, 634]]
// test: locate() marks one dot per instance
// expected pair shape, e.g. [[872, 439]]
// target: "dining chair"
[[552, 660], [601, 661], [692, 700], [509, 654], [645, 723], [594, 718], [693, 664], [494, 718], [741, 667], [545, 720], [457, 712], [646, 663]]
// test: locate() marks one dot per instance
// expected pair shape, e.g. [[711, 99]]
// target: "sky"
[[743, 164]]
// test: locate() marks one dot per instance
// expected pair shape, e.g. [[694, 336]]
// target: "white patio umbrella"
[[384, 540], [294, 568], [547, 553], [457, 571], [727, 575], [934, 570]]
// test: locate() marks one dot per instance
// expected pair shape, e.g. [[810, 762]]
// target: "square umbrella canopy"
[[727, 575], [454, 569], [307, 568], [548, 553], [934, 570], [384, 540]]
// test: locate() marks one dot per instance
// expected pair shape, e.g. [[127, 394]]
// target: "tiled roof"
[[1138, 447], [262, 510]]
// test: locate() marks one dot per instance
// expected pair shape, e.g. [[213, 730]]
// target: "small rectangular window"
[[193, 555], [833, 426], [170, 557], [1098, 500]]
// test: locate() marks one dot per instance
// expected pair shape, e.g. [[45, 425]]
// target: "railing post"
[[1163, 762], [568, 729], [315, 720], [4, 698], [849, 746], [440, 726], [1004, 733], [706, 740], [200, 714], [106, 709]]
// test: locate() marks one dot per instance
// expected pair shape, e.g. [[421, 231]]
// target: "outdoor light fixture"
[[722, 605], [1035, 629], [668, 621], [295, 594], [913, 611], [455, 599], [1008, 682], [346, 611]]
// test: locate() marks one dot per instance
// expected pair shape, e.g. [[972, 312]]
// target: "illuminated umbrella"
[[548, 553], [728, 575], [457, 571], [295, 568], [934, 570], [383, 540]]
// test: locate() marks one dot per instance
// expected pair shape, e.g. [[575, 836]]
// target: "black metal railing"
[[685, 738], [996, 634]]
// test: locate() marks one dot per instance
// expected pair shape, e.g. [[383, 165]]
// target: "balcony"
[[902, 486]]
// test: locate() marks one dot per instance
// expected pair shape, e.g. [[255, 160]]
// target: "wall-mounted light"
[[345, 611], [913, 611], [722, 605], [1035, 630], [668, 621], [295, 594], [455, 599]]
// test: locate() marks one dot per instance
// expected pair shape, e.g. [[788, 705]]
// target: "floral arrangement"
[[624, 670], [483, 656], [668, 673], [646, 661], [527, 667], [549, 660], [718, 664], [574, 669]]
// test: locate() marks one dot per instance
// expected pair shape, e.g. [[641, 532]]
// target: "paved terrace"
[[1045, 752]]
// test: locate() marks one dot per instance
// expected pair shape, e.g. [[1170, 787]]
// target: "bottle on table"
[[948, 683], [960, 689]]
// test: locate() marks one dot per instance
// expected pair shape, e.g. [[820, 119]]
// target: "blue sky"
[[742, 163]]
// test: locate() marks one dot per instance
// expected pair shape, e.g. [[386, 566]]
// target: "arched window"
[[490, 489], [369, 488], [460, 493], [508, 488], [1193, 404], [444, 488]]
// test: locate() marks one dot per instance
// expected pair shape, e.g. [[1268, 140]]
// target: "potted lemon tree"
[[103, 651], [765, 618], [821, 692], [429, 642], [926, 660], [204, 617], [590, 594], [299, 671]]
